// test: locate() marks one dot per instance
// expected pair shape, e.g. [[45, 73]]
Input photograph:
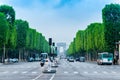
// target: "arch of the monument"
[[63, 46]]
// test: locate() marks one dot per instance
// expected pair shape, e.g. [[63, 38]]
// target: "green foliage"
[[9, 13], [99, 37], [17, 34], [21, 27], [111, 20], [90, 40], [4, 29]]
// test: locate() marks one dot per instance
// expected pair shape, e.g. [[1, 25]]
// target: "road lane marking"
[[37, 77], [15, 72], [52, 77], [24, 72], [75, 72], [86, 72], [95, 72], [65, 72], [34, 72]]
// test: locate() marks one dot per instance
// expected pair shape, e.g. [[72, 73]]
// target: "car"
[[82, 59], [71, 59], [31, 59], [14, 60], [77, 59]]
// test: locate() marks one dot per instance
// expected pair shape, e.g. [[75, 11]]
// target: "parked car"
[[77, 59], [14, 60], [71, 59], [82, 59], [31, 59]]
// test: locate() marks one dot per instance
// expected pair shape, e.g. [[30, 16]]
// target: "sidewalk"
[[1, 63]]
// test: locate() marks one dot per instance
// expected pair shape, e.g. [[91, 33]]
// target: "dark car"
[[77, 59], [82, 59]]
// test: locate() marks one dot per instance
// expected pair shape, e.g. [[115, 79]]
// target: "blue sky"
[[59, 19]]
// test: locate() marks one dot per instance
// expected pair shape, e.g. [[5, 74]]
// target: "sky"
[[59, 19]]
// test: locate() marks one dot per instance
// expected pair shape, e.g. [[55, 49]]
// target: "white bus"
[[105, 58]]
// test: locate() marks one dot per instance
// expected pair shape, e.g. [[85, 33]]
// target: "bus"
[[105, 58]]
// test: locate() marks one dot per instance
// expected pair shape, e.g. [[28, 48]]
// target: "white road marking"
[[34, 72], [15, 72], [95, 72], [37, 77], [52, 77], [24, 72], [86, 72], [75, 72], [65, 72]]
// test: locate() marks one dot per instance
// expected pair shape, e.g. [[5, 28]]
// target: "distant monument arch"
[[61, 49]]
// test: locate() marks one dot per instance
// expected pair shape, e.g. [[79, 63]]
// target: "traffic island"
[[54, 66], [49, 71]]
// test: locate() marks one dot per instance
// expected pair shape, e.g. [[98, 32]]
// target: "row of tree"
[[98, 37], [17, 39]]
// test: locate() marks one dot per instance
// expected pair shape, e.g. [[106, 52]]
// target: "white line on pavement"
[[34, 72], [75, 72], [65, 72], [95, 72], [86, 72], [24, 72], [52, 77], [15, 72], [37, 77]]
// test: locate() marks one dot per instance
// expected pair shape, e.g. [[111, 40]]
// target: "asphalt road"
[[65, 71]]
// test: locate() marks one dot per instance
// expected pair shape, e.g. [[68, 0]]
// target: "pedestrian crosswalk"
[[93, 72], [19, 67], [19, 72]]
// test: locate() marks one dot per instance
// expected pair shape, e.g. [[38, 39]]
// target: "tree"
[[4, 29], [9, 13], [111, 21], [79, 42], [21, 28]]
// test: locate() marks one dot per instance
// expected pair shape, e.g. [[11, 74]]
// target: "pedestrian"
[[42, 63]]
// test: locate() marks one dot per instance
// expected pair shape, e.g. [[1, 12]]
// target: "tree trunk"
[[19, 54], [4, 53]]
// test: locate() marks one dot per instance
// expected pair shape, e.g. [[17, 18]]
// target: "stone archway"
[[61, 49]]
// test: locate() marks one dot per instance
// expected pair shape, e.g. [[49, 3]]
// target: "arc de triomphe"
[[61, 49]]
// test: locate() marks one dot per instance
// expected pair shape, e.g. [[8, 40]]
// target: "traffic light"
[[50, 41], [53, 44]]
